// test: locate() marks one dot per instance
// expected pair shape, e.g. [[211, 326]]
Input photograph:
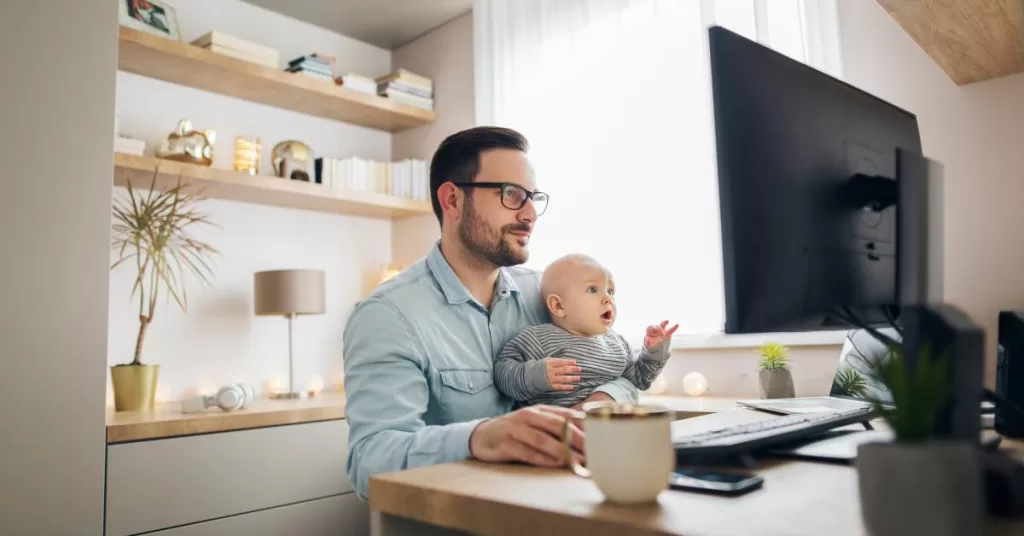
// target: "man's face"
[[488, 229]]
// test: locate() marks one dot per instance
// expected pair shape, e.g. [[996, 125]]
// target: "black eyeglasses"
[[513, 196]]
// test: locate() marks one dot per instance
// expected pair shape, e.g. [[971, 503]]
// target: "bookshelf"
[[188, 65], [263, 190]]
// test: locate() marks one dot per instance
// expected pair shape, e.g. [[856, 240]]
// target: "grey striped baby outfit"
[[519, 371]]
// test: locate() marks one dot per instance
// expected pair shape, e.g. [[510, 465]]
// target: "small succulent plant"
[[774, 356]]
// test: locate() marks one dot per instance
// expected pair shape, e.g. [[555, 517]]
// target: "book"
[[407, 77], [226, 41], [244, 56], [406, 98]]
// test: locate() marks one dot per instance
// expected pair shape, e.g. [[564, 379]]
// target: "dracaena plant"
[[152, 233]]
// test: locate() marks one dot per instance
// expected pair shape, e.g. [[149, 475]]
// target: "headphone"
[[228, 398]]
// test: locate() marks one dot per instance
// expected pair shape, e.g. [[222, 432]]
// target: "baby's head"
[[580, 295]]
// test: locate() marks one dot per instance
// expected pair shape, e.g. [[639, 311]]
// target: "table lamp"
[[289, 293]]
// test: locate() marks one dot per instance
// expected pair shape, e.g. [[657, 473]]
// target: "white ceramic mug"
[[628, 450]]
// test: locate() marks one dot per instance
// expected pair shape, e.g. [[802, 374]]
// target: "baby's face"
[[588, 298]]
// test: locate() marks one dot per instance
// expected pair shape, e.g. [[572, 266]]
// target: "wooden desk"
[[798, 498]]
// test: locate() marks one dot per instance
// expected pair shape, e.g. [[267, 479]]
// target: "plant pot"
[[134, 386], [777, 384], [931, 488]]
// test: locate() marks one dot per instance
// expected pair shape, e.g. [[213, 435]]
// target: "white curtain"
[[614, 98]]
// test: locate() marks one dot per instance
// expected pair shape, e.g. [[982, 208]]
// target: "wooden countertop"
[[799, 498], [168, 420]]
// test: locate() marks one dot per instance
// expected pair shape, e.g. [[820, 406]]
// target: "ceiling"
[[971, 40], [385, 23]]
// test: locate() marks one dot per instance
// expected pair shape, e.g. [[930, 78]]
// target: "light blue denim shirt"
[[419, 358]]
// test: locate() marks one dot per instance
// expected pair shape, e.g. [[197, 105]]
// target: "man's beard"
[[481, 241]]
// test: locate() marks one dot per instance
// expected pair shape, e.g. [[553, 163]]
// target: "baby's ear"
[[554, 303]]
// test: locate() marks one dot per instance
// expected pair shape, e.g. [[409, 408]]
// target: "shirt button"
[[470, 385]]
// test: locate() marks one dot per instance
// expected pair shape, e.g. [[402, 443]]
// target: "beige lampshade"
[[285, 292]]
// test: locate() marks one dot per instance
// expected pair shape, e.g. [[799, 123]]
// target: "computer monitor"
[[831, 216], [801, 239], [1010, 373]]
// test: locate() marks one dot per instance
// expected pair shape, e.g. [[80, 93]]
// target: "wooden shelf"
[[167, 419], [263, 190], [189, 65]]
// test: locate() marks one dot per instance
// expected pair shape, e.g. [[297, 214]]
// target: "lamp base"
[[292, 395]]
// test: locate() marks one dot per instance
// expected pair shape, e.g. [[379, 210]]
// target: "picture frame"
[[156, 17]]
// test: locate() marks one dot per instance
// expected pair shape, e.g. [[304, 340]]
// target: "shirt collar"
[[456, 292]]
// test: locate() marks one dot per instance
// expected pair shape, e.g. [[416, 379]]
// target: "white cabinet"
[[222, 481], [341, 515]]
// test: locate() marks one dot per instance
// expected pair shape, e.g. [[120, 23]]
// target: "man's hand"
[[658, 334], [561, 373], [596, 396], [532, 435]]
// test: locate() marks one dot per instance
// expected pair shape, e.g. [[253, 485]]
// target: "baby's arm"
[[519, 371], [644, 369]]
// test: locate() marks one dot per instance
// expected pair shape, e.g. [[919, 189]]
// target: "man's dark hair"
[[457, 159]]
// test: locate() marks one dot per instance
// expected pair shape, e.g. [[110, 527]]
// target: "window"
[[614, 96]]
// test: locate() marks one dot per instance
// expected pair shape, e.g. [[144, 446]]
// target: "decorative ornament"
[[188, 145]]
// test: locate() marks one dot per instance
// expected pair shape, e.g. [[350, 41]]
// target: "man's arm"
[[386, 395]]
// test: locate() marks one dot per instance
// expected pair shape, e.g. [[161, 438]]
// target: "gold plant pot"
[[134, 386]]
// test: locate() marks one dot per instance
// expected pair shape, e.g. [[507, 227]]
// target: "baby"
[[561, 363]]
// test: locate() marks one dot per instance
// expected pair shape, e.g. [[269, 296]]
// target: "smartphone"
[[714, 482]]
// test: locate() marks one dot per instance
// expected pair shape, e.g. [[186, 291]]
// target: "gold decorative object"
[[293, 160], [152, 233], [188, 145], [134, 386], [247, 155]]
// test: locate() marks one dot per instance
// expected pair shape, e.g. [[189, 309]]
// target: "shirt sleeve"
[[643, 370], [386, 395], [519, 371]]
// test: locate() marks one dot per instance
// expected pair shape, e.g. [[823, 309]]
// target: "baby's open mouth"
[[607, 315]]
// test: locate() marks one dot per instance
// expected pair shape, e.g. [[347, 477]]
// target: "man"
[[419, 352]]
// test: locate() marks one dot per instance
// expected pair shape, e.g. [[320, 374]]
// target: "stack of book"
[[408, 178], [316, 65], [407, 88], [359, 83], [228, 45]]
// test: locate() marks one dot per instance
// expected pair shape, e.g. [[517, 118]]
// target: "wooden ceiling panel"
[[971, 40]]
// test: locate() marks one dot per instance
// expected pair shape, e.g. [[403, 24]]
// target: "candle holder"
[[247, 155]]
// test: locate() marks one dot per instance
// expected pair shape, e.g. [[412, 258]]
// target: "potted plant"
[[852, 383], [776, 379], [917, 484], [151, 234]]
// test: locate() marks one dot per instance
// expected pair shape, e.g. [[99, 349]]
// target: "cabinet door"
[[342, 515], [164, 483]]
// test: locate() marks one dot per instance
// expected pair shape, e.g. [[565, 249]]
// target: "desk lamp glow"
[[289, 293]]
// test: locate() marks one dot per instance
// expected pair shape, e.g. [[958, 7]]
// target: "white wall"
[[219, 340], [976, 132], [54, 232], [446, 55]]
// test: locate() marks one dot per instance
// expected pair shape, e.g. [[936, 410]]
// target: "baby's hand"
[[658, 334], [560, 373]]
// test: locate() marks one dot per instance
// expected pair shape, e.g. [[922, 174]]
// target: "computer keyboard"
[[749, 437]]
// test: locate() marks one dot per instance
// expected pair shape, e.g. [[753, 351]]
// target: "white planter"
[[926, 489], [776, 384]]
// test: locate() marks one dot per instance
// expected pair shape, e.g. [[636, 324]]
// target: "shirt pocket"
[[468, 395]]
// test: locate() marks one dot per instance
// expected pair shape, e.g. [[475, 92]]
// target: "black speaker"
[[1010, 373]]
